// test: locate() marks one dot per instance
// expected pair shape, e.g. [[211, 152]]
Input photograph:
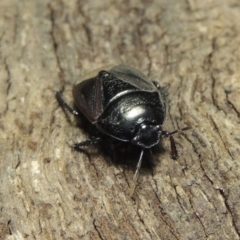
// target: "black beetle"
[[125, 105]]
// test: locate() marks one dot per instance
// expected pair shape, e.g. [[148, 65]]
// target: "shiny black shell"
[[119, 101]]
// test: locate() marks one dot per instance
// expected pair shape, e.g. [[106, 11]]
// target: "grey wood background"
[[48, 191]]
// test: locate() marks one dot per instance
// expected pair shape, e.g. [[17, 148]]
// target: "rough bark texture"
[[48, 191]]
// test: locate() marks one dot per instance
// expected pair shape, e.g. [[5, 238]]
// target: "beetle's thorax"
[[122, 118]]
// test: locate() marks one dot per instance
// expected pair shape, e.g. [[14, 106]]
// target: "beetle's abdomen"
[[126, 113]]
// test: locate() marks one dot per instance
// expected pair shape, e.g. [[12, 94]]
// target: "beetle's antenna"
[[167, 134], [138, 167], [136, 174]]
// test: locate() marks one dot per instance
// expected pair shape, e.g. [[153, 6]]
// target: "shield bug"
[[124, 104]]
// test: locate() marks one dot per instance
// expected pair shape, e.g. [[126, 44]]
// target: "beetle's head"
[[147, 136]]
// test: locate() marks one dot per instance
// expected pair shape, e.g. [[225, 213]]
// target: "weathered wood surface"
[[48, 191]]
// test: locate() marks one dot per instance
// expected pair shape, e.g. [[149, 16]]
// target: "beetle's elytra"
[[124, 104]]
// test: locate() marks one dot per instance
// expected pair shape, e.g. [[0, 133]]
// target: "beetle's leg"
[[174, 153], [86, 143], [63, 104], [135, 177], [113, 147]]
